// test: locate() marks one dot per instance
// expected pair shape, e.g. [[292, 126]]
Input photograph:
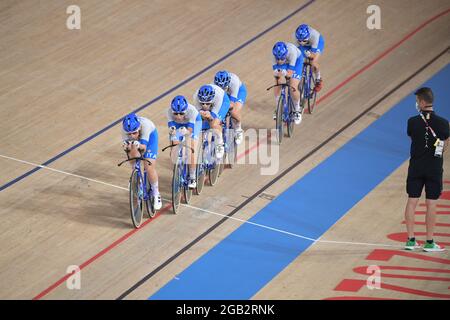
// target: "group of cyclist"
[[288, 61], [211, 104]]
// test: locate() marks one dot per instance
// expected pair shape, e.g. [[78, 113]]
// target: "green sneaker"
[[411, 245], [432, 247]]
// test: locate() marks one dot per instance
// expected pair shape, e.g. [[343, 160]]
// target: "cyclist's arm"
[[206, 115], [143, 145], [220, 109]]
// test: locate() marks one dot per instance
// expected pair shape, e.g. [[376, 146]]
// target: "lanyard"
[[428, 126]]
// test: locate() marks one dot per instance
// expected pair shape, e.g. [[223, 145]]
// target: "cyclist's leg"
[[151, 169], [278, 78], [315, 61], [237, 107], [216, 123], [151, 154], [192, 142], [174, 140], [216, 126], [296, 77]]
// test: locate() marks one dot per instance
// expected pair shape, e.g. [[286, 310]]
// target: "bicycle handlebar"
[[281, 85], [136, 158], [174, 145]]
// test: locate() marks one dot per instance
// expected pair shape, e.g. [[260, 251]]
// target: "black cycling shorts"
[[432, 183]]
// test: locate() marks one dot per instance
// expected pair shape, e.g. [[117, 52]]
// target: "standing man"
[[429, 138]]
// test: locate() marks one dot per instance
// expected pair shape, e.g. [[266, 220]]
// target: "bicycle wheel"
[[290, 124], [232, 155], [186, 190], [149, 203], [229, 146], [176, 187], [224, 159], [232, 152], [136, 196], [214, 171], [301, 90], [279, 120], [312, 95], [201, 172]]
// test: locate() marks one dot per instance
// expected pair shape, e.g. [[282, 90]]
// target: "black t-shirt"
[[422, 159]]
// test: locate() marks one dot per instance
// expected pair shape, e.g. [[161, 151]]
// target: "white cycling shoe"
[[220, 150], [157, 202], [192, 184], [239, 134], [297, 117]]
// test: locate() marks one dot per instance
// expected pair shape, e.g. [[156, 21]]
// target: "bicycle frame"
[[307, 86], [142, 177], [210, 162], [307, 75], [286, 97], [140, 191], [180, 159], [227, 127]]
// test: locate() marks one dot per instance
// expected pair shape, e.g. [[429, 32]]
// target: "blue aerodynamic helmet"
[[302, 32], [280, 51], [179, 104], [222, 79], [131, 123], [206, 93]]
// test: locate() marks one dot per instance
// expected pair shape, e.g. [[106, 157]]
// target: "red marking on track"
[[402, 236], [437, 212], [445, 195], [363, 270], [422, 223], [243, 154], [409, 35], [437, 206], [352, 285], [386, 255], [358, 298], [101, 253], [328, 94]]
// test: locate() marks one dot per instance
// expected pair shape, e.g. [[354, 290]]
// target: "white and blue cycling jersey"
[[148, 136], [191, 119], [316, 42], [237, 92], [294, 61], [220, 104]]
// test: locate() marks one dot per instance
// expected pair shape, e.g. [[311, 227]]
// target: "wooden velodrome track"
[[59, 87]]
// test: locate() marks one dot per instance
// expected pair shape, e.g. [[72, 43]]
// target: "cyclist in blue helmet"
[[311, 43], [140, 137], [213, 104], [185, 120], [237, 93], [287, 64]]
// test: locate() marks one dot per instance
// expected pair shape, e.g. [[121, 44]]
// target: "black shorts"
[[432, 183]]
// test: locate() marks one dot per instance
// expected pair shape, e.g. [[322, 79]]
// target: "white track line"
[[210, 212], [252, 223], [63, 172], [293, 234]]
